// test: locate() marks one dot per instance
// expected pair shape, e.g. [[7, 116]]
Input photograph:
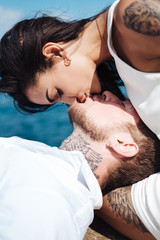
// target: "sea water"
[[50, 127]]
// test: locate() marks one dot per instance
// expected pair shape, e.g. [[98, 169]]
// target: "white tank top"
[[143, 89]]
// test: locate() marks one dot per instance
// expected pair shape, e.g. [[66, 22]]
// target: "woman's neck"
[[95, 39], [92, 42]]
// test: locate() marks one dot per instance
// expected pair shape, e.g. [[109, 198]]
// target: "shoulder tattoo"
[[79, 144], [143, 17], [121, 204]]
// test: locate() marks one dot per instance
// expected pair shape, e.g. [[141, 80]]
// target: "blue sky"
[[12, 11]]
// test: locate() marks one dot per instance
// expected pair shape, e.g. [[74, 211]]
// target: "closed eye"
[[48, 98], [58, 95]]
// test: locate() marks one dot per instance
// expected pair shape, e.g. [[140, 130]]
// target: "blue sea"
[[50, 127]]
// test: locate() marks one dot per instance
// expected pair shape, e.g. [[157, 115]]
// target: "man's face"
[[103, 111]]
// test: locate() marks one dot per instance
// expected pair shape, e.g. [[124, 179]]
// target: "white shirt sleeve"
[[146, 201], [45, 193]]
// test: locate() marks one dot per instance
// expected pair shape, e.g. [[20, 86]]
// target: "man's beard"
[[79, 118]]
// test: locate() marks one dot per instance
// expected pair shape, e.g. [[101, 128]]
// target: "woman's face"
[[65, 83]]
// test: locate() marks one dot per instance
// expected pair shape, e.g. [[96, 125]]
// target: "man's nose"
[[110, 97], [97, 97]]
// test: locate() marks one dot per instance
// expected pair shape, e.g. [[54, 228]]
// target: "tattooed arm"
[[118, 211], [142, 16], [136, 33]]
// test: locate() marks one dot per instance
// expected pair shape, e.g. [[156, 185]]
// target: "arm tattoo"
[[120, 202], [79, 144], [143, 17]]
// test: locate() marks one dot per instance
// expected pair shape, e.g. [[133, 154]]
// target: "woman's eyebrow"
[[49, 99]]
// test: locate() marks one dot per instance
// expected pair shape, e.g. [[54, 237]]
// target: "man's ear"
[[51, 50], [127, 148]]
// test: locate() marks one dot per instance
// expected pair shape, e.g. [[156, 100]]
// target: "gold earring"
[[67, 62]]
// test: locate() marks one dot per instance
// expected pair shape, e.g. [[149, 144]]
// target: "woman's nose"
[[68, 100]]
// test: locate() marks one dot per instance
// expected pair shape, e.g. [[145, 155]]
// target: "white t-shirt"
[[45, 193], [143, 89]]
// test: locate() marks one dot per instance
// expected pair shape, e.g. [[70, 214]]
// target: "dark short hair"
[[142, 165]]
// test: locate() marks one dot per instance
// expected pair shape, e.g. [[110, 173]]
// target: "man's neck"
[[78, 143], [93, 151]]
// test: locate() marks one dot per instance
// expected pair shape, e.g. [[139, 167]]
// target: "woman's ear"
[[125, 148], [50, 50]]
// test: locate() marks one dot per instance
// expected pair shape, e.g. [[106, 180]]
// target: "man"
[[112, 113], [47, 193]]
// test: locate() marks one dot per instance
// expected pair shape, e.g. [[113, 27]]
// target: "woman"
[[46, 60]]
